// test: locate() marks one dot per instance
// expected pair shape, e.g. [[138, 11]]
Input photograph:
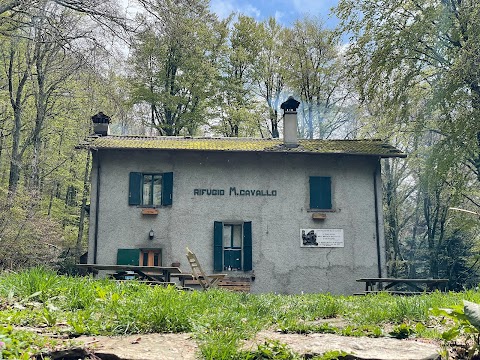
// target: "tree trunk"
[[16, 97], [310, 120], [391, 203], [274, 123]]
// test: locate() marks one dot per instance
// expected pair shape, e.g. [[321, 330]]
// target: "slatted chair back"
[[204, 280], [197, 270]]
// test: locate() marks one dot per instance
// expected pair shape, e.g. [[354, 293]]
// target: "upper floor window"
[[147, 189], [152, 189], [320, 192]]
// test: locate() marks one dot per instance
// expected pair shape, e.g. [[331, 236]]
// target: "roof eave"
[[383, 156]]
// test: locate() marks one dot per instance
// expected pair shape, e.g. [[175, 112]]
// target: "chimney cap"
[[101, 118], [290, 104]]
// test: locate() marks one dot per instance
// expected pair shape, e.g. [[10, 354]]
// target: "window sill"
[[319, 216], [149, 211], [322, 210]]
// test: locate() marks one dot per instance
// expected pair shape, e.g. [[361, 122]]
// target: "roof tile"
[[352, 147]]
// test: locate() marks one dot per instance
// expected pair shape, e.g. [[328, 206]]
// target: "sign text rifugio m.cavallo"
[[233, 191]]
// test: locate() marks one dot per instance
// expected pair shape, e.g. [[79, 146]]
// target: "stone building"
[[288, 215]]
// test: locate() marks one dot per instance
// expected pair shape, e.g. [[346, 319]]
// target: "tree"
[[311, 64], [17, 68], [45, 56], [269, 74], [238, 107], [173, 64], [433, 46], [415, 62], [103, 12]]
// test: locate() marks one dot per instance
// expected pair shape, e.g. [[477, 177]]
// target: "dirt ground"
[[183, 346]]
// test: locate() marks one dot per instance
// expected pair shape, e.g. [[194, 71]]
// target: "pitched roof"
[[351, 147]]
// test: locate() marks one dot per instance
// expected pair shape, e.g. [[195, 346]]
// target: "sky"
[[285, 11]]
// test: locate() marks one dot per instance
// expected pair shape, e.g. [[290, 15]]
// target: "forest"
[[407, 72]]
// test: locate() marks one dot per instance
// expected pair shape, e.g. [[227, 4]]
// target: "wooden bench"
[[393, 292], [146, 282], [410, 286], [226, 284], [183, 277], [242, 285]]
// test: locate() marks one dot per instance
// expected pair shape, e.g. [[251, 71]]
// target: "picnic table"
[[161, 275], [414, 286]]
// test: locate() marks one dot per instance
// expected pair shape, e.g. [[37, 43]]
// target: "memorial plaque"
[[321, 238]]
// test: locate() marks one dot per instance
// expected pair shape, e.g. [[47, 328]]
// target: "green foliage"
[[21, 344], [56, 85], [174, 65], [273, 350], [332, 355], [402, 331], [411, 66], [219, 320], [312, 66], [465, 324]]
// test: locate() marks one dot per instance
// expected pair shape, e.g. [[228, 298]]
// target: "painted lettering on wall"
[[208, 192], [234, 191]]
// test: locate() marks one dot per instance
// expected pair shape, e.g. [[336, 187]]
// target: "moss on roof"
[[352, 147]]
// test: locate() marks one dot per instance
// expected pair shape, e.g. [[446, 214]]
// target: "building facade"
[[298, 217]]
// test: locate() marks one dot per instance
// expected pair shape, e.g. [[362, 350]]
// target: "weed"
[[466, 322], [21, 345], [301, 327], [50, 316], [272, 349], [402, 331], [364, 330], [331, 355]]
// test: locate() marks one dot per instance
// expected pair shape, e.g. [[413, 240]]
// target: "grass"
[[219, 320]]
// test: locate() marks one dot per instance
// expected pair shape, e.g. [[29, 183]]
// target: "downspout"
[[377, 224], [97, 203]]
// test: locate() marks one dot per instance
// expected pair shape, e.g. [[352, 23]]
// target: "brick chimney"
[[101, 124], [290, 107]]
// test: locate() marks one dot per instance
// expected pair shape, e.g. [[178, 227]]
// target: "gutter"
[[377, 224], [97, 203]]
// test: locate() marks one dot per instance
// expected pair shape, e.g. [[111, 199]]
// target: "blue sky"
[[285, 11]]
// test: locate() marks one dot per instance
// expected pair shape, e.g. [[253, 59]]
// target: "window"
[[320, 192], [151, 257], [147, 189], [232, 246], [152, 189], [142, 257]]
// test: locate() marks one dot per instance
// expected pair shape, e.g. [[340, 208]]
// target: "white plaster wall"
[[279, 263]]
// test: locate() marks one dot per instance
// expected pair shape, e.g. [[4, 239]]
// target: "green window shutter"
[[135, 189], [247, 246], [167, 188], [128, 256], [218, 246], [320, 192]]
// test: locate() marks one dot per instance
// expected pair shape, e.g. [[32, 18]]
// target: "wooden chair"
[[206, 281]]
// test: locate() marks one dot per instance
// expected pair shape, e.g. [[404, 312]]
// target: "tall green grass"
[[219, 320]]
